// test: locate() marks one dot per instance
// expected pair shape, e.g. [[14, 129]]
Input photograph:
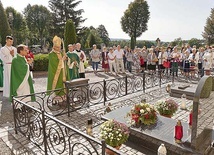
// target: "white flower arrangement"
[[114, 133], [167, 107]]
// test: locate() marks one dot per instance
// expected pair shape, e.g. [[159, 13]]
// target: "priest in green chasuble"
[[73, 63], [56, 68], [21, 81]]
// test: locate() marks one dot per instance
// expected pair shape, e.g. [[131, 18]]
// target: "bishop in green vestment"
[[21, 81], [1, 73], [56, 69], [73, 63]]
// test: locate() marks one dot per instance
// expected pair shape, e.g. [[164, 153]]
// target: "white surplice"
[[6, 57]]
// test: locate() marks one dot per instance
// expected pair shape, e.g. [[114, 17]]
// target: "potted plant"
[[114, 133], [167, 108], [143, 113]]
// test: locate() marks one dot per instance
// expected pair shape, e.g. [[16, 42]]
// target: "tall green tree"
[[196, 42], [83, 36], [135, 19], [208, 33], [70, 33], [94, 37], [4, 25], [177, 42], [63, 10], [103, 34], [92, 40], [38, 20], [18, 25]]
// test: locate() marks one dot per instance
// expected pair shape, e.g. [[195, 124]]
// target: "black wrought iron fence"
[[52, 135], [36, 120], [80, 96]]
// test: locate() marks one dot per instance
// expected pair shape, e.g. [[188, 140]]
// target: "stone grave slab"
[[179, 90], [162, 131]]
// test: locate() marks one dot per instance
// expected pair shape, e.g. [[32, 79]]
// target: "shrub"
[[41, 62]]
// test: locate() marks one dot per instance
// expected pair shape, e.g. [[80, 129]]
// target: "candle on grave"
[[190, 119], [178, 132]]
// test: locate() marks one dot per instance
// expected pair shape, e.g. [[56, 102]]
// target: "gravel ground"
[[5, 116], [6, 113], [5, 150]]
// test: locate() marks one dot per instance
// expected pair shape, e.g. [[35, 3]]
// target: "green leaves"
[[208, 33], [4, 25], [135, 19], [70, 33]]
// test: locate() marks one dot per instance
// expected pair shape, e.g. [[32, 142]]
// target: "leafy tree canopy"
[[18, 25], [208, 33], [4, 25], [38, 19], [135, 19], [103, 34], [63, 10]]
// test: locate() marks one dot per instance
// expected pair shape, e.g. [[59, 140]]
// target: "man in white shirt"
[[7, 53], [111, 60], [119, 59], [95, 56]]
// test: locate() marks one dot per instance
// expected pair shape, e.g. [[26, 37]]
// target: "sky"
[[169, 19]]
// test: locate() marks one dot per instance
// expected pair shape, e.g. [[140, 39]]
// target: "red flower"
[[137, 108], [135, 117], [147, 116]]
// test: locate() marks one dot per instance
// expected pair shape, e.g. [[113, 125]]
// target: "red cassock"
[[190, 118], [178, 132]]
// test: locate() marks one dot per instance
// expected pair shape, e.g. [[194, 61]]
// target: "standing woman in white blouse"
[[208, 56], [162, 57]]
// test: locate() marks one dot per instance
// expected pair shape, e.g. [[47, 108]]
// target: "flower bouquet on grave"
[[114, 133], [166, 108], [143, 113]]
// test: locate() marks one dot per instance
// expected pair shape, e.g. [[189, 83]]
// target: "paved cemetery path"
[[40, 78]]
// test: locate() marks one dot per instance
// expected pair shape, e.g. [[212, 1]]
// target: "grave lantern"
[[89, 127], [212, 144], [162, 150], [183, 102], [168, 88], [178, 132], [190, 119]]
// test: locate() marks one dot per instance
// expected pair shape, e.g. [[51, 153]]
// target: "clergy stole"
[[60, 66]]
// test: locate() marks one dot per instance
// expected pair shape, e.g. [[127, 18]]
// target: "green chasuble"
[[19, 70], [73, 68], [55, 73], [1, 73]]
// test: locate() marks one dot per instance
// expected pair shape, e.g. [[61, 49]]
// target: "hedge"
[[41, 62]]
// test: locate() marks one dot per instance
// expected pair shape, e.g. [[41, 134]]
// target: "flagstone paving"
[[20, 145]]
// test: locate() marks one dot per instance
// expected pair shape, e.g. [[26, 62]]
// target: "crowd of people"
[[188, 60], [16, 64]]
